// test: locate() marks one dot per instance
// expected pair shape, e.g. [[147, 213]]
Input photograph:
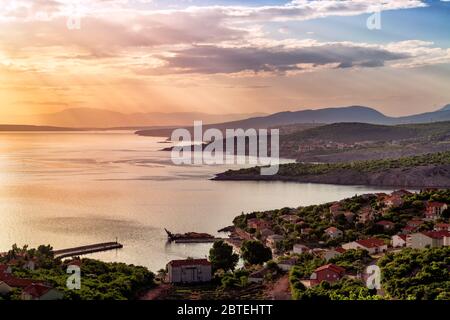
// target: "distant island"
[[430, 170], [14, 127]]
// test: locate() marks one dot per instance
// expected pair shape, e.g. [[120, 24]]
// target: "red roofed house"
[[372, 245], [39, 291], [329, 273], [442, 227], [399, 240], [431, 239], [189, 271], [387, 225], [434, 209], [334, 232], [336, 209], [393, 201], [258, 224]]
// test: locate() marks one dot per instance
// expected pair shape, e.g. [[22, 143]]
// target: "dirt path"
[[281, 289], [157, 293]]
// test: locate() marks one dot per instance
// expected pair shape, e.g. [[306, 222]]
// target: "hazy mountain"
[[12, 127], [355, 114], [99, 118]]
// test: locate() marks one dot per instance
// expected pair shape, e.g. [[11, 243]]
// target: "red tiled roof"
[[340, 250], [403, 236], [437, 234], [331, 267], [189, 262], [3, 268], [371, 243], [385, 223], [435, 204], [15, 282], [37, 290]]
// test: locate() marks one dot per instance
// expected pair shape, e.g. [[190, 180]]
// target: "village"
[[369, 226], [268, 255]]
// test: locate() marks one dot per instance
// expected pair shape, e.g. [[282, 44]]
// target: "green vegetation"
[[353, 261], [344, 289], [99, 280], [254, 252], [306, 169], [222, 257], [417, 274]]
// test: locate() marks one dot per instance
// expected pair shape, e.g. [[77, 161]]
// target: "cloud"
[[209, 59]]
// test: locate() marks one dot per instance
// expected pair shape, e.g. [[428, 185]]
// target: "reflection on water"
[[71, 189]]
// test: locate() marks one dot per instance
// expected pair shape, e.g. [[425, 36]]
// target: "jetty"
[[79, 251]]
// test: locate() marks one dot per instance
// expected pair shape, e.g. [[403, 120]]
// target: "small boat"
[[189, 237]]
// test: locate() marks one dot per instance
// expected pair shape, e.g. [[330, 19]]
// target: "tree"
[[222, 257], [254, 252]]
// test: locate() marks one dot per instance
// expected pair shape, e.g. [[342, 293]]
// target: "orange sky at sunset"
[[206, 59]]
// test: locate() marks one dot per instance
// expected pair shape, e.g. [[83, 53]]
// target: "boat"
[[190, 237]]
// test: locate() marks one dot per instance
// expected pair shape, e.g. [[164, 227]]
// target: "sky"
[[223, 56]]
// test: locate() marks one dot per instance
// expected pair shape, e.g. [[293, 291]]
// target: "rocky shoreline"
[[415, 177]]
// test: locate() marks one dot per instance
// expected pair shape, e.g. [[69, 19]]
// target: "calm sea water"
[[69, 189]]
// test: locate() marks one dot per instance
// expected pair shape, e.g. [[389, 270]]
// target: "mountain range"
[[101, 118], [158, 122], [352, 114]]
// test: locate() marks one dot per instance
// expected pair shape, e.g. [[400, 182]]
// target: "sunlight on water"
[[71, 189]]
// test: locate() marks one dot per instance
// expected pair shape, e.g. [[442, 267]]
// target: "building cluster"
[[29, 289]]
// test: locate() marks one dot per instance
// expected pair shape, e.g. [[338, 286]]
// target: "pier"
[[78, 251]]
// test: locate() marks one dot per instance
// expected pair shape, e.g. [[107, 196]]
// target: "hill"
[[359, 114], [100, 118], [12, 127], [430, 170]]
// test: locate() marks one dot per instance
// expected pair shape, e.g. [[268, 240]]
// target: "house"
[[401, 193], [189, 271], [336, 209], [5, 268], [306, 231], [331, 253], [393, 201], [442, 227], [4, 288], [287, 264], [272, 241], [266, 233], [329, 273], [334, 232], [349, 216], [258, 224], [39, 291], [258, 276], [290, 218], [415, 223], [366, 214], [300, 248], [399, 240], [430, 239], [387, 225], [433, 209], [372, 245]]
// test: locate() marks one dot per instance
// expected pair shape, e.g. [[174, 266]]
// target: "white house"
[[189, 271], [431, 239], [372, 245], [300, 248], [334, 232], [399, 240], [287, 264]]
